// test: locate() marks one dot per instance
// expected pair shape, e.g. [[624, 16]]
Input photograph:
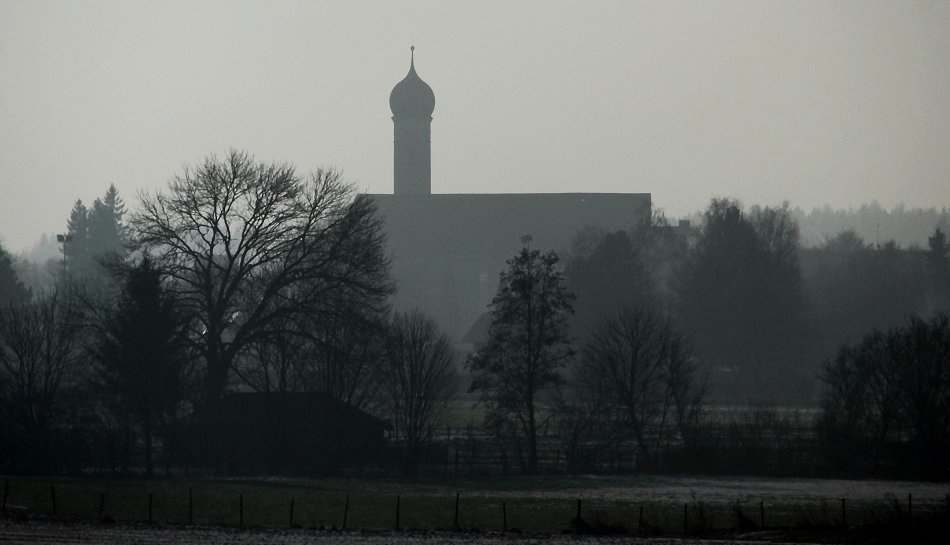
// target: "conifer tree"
[[140, 352], [76, 248], [12, 289], [107, 233], [96, 233]]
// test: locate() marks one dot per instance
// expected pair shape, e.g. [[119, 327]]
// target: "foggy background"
[[814, 102]]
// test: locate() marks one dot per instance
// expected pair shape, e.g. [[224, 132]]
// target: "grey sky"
[[814, 102]]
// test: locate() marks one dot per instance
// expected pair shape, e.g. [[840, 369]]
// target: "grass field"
[[532, 505]]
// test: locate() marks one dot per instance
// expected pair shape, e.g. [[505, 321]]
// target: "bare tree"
[[273, 362], [649, 372], [38, 352], [346, 358], [420, 379], [890, 392], [337, 350], [519, 368], [587, 420], [251, 246]]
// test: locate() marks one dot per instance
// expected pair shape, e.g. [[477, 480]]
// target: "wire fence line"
[[476, 452], [249, 505]]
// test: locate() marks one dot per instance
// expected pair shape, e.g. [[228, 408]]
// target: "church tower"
[[412, 102]]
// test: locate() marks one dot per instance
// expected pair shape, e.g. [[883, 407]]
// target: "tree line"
[[906, 226], [642, 331], [239, 274], [247, 275]]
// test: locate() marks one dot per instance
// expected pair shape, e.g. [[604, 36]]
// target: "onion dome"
[[412, 97]]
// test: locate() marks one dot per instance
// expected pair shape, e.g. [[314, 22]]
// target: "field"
[[53, 532], [631, 505]]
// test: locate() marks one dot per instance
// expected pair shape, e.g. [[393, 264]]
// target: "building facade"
[[449, 249]]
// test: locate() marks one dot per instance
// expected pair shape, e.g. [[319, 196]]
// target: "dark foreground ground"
[[41, 529], [615, 509]]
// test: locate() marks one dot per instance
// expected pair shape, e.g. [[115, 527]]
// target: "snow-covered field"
[[650, 488], [534, 505], [52, 532]]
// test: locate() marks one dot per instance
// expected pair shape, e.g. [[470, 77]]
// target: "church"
[[449, 249]]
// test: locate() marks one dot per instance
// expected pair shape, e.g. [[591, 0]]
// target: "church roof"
[[412, 97]]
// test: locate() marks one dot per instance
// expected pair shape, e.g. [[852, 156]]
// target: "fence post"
[[844, 513], [640, 522], [149, 507], [577, 518], [762, 514], [346, 510], [910, 510], [52, 495], [102, 506], [6, 489], [397, 512], [191, 519], [290, 523], [504, 517], [685, 517], [456, 511], [241, 508]]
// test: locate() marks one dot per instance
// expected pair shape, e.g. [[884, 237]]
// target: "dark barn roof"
[[288, 433]]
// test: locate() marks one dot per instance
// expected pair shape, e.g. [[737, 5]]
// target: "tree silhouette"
[[76, 250], [39, 356], [140, 352], [251, 246], [646, 369], [886, 400], [854, 288], [938, 258], [346, 353], [527, 344], [420, 379], [106, 227], [741, 295], [607, 278], [12, 289], [97, 234]]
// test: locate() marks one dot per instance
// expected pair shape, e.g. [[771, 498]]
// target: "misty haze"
[[643, 272]]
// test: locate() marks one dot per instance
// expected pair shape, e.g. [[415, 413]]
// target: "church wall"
[[448, 250]]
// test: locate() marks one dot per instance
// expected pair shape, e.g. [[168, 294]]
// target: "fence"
[[244, 504], [473, 451]]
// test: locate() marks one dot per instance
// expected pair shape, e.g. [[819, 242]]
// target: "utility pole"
[[64, 239]]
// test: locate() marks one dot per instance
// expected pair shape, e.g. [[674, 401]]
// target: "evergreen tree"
[[12, 289], [527, 344], [107, 232], [611, 276], [140, 352], [938, 257], [96, 233], [742, 297], [854, 287], [76, 248]]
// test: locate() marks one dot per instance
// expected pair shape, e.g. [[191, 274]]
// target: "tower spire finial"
[[412, 56]]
